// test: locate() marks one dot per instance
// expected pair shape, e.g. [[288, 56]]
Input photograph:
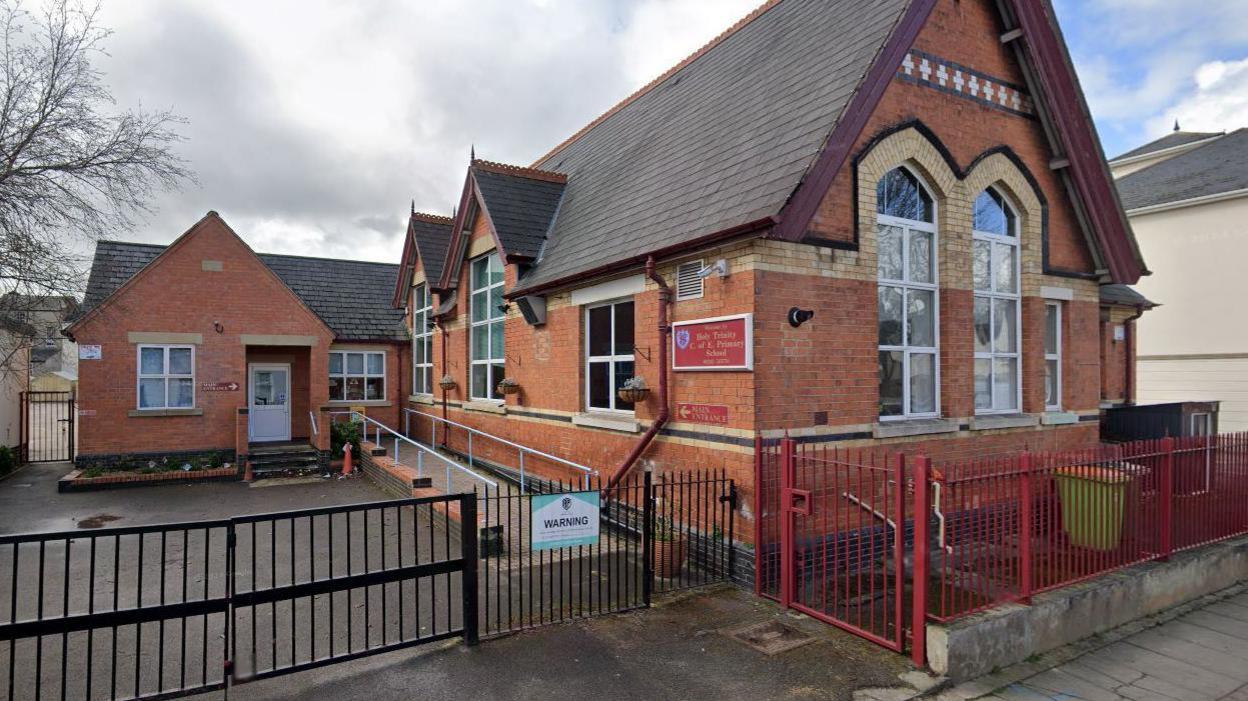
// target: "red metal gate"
[[835, 543]]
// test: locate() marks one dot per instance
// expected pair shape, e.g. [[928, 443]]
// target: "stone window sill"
[[422, 399], [989, 422], [1059, 418], [913, 427], [336, 403], [146, 413], [610, 422], [486, 406]]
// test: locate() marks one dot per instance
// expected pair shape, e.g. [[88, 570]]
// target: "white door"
[[269, 402]]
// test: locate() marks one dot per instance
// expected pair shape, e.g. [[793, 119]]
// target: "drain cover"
[[770, 637]]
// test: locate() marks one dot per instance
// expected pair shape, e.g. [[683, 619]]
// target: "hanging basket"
[[446, 383], [508, 388], [635, 395]]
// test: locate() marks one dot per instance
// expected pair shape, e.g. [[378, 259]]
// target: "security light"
[[719, 267]]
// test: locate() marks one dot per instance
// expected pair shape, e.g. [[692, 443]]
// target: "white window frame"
[[610, 360], [992, 294], [1056, 355], [166, 376], [422, 334], [492, 316], [366, 375], [908, 225]]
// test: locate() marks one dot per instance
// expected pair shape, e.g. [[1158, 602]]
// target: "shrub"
[[341, 433], [8, 460]]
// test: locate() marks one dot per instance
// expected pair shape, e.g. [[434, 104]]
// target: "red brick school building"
[[853, 223]]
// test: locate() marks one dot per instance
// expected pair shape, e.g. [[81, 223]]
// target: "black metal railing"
[[47, 426], [656, 534], [174, 609]]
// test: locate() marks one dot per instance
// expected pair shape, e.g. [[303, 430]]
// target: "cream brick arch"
[[913, 149], [998, 171]]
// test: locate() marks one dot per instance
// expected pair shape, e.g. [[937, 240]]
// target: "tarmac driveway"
[[30, 503]]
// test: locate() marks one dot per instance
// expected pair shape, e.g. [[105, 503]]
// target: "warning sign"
[[563, 520]]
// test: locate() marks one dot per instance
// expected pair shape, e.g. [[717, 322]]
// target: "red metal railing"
[[1009, 527], [832, 524]]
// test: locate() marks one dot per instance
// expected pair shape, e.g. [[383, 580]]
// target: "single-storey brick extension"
[[203, 347], [884, 223]]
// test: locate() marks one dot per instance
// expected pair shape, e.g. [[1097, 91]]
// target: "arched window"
[[996, 315], [908, 333]]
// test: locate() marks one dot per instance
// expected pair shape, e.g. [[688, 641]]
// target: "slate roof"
[[1124, 295], [1218, 167], [720, 141], [432, 240], [1171, 140], [351, 297], [520, 206]]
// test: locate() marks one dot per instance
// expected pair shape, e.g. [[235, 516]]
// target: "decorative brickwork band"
[[955, 79]]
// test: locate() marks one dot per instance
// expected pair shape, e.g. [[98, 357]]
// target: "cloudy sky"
[[314, 123]]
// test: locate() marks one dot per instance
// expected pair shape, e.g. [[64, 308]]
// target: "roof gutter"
[[665, 299], [618, 266], [1189, 202]]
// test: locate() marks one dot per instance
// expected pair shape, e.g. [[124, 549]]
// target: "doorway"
[[268, 392]]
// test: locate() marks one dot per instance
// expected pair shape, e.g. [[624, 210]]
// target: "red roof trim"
[[520, 171], [802, 206], [1069, 113]]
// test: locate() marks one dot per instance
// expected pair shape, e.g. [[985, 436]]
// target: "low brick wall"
[[135, 461], [978, 644], [75, 482], [398, 481]]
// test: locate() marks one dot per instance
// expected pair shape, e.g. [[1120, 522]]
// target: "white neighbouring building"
[[1186, 196]]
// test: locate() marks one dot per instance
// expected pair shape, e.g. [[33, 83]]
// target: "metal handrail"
[[378, 427], [587, 472], [316, 431]]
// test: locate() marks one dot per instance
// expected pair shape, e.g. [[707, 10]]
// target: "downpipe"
[[665, 299]]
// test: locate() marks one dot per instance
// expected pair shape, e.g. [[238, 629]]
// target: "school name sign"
[[718, 343], [563, 520]]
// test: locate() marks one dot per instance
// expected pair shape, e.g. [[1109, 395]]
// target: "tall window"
[[609, 354], [995, 273], [909, 338], [422, 340], [166, 377], [487, 327], [357, 376], [1053, 355]]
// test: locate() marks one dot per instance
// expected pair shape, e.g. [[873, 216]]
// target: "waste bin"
[[1093, 504]]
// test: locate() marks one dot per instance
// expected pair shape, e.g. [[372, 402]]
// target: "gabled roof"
[[351, 297], [520, 203], [1217, 168], [720, 141], [1125, 296], [748, 133], [428, 237], [1174, 139]]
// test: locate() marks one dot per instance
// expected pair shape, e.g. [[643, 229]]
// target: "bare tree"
[[72, 166]]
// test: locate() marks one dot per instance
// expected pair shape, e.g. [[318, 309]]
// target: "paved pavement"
[[1199, 654]]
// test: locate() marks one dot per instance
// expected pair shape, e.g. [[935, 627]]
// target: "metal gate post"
[[1166, 498], [918, 584], [73, 418], [899, 546], [231, 645], [468, 537], [23, 427], [788, 474], [647, 536], [1027, 522]]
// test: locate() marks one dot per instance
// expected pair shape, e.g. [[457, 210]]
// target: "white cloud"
[[314, 122], [1218, 100]]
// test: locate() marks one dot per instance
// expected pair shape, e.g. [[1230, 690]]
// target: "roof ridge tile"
[[521, 171]]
